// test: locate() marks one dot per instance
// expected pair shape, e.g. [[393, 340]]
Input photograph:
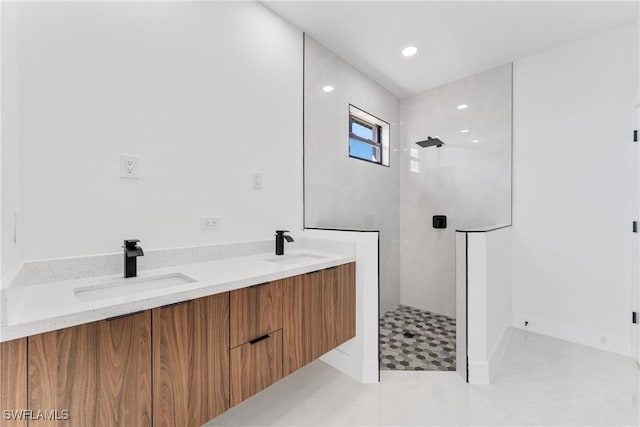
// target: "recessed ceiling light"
[[409, 51], [462, 106], [475, 140], [464, 131], [327, 88]]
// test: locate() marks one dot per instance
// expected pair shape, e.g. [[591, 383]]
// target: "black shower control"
[[439, 221]]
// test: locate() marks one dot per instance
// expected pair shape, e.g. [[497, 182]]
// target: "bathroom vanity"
[[184, 362]]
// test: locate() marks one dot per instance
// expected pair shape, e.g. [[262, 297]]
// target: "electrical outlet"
[[257, 180], [129, 166], [209, 223]]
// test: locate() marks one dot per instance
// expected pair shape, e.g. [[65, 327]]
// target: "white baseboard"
[[364, 371], [483, 371], [596, 338], [343, 362], [498, 351]]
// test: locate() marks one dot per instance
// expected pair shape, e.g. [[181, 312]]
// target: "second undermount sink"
[[130, 286], [295, 258]]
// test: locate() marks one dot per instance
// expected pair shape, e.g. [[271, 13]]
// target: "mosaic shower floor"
[[417, 340]]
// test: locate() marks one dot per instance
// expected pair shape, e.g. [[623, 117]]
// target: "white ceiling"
[[455, 38]]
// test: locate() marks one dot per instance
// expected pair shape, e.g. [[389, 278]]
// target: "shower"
[[430, 142]]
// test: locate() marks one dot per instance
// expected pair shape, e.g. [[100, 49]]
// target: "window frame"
[[379, 132], [376, 131]]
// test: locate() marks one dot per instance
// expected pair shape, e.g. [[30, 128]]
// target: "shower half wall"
[[468, 179]]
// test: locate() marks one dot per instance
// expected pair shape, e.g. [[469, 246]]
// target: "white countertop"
[[34, 309]]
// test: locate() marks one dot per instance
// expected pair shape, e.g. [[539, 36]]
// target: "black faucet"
[[131, 254], [280, 237]]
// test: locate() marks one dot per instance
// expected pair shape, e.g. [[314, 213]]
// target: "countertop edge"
[[22, 330]]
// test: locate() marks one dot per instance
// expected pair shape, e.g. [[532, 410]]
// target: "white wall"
[[574, 189], [470, 182], [499, 290], [489, 300], [346, 193], [204, 92], [9, 178]]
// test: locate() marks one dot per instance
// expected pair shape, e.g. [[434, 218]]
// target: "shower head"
[[430, 142]]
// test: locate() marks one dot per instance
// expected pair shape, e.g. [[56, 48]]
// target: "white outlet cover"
[[129, 166], [209, 223]]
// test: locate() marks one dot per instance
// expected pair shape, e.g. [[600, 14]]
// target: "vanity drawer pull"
[[175, 303], [257, 340], [124, 315]]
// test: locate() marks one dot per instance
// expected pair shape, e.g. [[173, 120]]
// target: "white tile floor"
[[541, 381]]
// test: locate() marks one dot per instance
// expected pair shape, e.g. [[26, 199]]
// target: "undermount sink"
[[131, 286], [294, 258]]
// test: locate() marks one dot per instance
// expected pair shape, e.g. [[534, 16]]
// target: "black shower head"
[[430, 142]]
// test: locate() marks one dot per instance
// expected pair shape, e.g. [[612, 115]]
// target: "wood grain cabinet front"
[[255, 312], [294, 355], [340, 296], [191, 361], [255, 366], [181, 364], [13, 382], [96, 374], [318, 314]]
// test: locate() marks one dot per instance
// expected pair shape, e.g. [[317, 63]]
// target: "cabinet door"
[[318, 314], [13, 380], [294, 356], [345, 300], [191, 361], [255, 312], [313, 318], [99, 372], [337, 308], [255, 366], [330, 309]]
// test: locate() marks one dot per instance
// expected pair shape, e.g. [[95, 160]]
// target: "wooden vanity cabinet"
[[256, 339], [294, 355], [315, 319], [255, 312], [191, 361], [181, 364], [13, 380], [318, 314], [255, 365], [99, 372], [341, 297]]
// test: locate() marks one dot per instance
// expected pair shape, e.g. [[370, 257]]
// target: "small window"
[[368, 137]]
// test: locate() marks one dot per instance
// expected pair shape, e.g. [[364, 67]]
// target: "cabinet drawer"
[[255, 312], [255, 366]]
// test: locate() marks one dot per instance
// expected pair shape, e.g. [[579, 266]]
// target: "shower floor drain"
[[417, 340]]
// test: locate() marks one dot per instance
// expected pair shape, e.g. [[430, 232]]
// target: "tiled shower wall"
[[346, 193], [469, 182]]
